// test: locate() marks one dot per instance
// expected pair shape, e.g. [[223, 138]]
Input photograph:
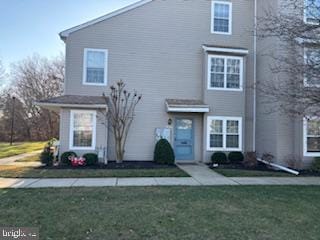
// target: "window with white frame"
[[312, 67], [221, 17], [311, 136], [224, 133], [225, 72], [312, 12], [95, 66], [82, 129]]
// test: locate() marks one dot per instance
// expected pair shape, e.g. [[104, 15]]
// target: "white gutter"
[[254, 76], [70, 105], [279, 167], [225, 50]]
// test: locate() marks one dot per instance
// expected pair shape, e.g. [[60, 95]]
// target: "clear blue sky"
[[32, 26]]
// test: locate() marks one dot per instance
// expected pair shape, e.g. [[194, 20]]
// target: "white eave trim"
[[65, 34], [187, 110], [89, 106], [225, 50]]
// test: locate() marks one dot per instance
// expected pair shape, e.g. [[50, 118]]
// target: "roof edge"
[[64, 34], [225, 50]]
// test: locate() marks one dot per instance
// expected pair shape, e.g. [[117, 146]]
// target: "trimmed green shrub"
[[235, 157], [91, 159], [65, 157], [316, 164], [163, 152], [46, 156], [219, 158]]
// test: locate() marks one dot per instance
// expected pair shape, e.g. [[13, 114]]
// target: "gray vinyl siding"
[[157, 50]]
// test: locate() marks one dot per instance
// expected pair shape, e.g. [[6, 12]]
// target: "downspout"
[[254, 76]]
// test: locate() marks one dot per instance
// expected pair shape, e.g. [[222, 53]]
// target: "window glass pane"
[[217, 72], [82, 129], [313, 128], [216, 126], [232, 141], [95, 67], [216, 140], [221, 17], [312, 11], [232, 127], [312, 66], [233, 73], [313, 144], [184, 129]]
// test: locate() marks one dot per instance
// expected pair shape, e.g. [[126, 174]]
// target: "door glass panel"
[[184, 129]]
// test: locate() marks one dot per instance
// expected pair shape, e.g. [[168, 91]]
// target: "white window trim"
[[230, 17], [224, 133], [84, 80], [71, 135], [305, 79], [305, 142], [305, 15], [225, 73]]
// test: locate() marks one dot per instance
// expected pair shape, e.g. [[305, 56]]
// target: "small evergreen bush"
[[219, 158], [316, 164], [65, 157], [163, 153], [91, 159], [235, 157]]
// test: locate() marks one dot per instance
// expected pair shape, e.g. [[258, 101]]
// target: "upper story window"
[[311, 133], [82, 130], [95, 64], [221, 17], [312, 67], [225, 72], [224, 134], [312, 11]]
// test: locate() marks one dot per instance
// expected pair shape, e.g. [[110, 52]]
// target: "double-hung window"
[[224, 133], [225, 72], [221, 22], [312, 67], [95, 69], [82, 130], [311, 133], [312, 12]]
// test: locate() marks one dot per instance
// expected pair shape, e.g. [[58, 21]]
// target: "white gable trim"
[[225, 50], [65, 34]]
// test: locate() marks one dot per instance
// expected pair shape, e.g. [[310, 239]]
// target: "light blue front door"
[[183, 139]]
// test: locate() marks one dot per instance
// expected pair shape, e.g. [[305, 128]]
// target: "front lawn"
[[19, 148], [175, 213], [251, 173], [34, 158], [39, 172]]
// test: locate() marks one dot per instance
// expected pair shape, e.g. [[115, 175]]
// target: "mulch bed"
[[114, 165], [265, 168]]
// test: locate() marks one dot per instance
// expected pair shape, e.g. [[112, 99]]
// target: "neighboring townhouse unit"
[[196, 64]]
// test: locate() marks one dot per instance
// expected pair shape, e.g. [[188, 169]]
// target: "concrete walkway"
[[200, 174], [12, 160]]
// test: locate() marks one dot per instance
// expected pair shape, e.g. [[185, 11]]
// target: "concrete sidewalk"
[[200, 174]]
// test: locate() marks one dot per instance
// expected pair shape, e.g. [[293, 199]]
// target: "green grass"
[[174, 213], [35, 158], [250, 173], [19, 148], [30, 172]]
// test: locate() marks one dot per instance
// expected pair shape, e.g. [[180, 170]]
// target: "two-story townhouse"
[[195, 63]]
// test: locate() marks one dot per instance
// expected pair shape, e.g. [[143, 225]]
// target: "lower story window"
[[82, 129], [224, 133], [311, 136]]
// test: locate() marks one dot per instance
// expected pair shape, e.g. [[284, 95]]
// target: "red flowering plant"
[[77, 161]]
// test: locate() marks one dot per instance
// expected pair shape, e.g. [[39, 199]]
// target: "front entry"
[[184, 139]]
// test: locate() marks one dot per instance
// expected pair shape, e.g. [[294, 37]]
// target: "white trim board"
[[225, 50], [64, 34]]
